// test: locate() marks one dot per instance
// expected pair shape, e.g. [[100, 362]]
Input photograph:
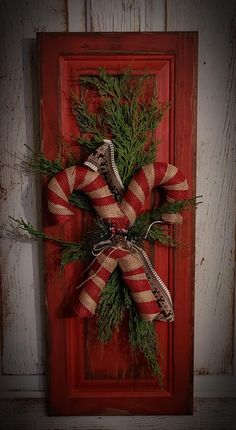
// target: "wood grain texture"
[[25, 414], [116, 15], [22, 309], [215, 242], [76, 11], [154, 15]]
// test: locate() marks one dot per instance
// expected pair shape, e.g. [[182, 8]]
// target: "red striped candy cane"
[[93, 184], [133, 273], [154, 175]]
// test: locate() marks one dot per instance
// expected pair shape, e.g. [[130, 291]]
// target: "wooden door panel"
[[85, 376]]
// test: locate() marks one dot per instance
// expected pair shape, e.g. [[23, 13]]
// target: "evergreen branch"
[[147, 156], [108, 85], [177, 206], [71, 254], [113, 304], [158, 234], [142, 223], [142, 337], [72, 251], [111, 307], [167, 207], [90, 144], [124, 117], [80, 200], [39, 164], [87, 121], [38, 234], [137, 85], [100, 231], [155, 233]]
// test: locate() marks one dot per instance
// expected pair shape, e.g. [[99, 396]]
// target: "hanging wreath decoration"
[[114, 182]]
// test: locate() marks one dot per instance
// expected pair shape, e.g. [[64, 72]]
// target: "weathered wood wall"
[[23, 337], [22, 293], [214, 310]]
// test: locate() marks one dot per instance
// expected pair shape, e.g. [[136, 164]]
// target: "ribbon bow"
[[149, 293]]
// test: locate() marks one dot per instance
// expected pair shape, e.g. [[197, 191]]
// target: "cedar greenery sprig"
[[71, 254], [143, 338], [38, 163], [83, 249], [175, 207], [111, 307], [71, 251], [80, 200], [114, 302], [125, 116], [87, 121], [156, 232], [109, 85]]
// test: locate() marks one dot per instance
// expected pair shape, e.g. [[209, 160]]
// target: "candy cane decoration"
[[153, 175], [118, 251], [91, 183]]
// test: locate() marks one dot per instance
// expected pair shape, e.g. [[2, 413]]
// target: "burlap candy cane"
[[118, 251]]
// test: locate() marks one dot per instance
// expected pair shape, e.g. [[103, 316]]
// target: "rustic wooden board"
[[215, 238], [25, 414], [90, 378]]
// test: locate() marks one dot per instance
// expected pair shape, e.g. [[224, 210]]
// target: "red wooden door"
[[86, 377]]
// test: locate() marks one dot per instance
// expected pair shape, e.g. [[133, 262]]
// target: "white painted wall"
[[23, 337]]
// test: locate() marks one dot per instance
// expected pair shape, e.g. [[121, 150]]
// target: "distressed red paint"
[[86, 378]]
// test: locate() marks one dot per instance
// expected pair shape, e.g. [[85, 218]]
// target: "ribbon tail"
[[159, 289], [103, 160]]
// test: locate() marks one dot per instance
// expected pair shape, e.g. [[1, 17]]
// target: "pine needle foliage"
[[88, 122], [114, 303], [157, 233], [142, 337], [38, 163], [125, 115], [80, 200], [71, 251], [111, 307]]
